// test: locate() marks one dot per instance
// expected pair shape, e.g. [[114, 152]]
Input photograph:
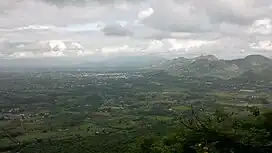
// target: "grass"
[[3, 123], [5, 142], [38, 135], [160, 118], [181, 108], [85, 126]]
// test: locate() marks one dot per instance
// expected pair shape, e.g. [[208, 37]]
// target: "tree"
[[219, 132]]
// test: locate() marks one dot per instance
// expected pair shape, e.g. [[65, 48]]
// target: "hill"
[[252, 62], [211, 66], [256, 75]]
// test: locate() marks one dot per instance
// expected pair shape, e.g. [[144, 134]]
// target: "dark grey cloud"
[[176, 17], [237, 12], [37, 12], [159, 36], [200, 16], [116, 30], [62, 3]]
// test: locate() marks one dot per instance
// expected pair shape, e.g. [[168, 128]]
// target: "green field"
[[41, 112]]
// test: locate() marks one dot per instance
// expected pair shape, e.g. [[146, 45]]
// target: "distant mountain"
[[211, 66], [171, 64], [252, 62], [124, 62], [207, 57]]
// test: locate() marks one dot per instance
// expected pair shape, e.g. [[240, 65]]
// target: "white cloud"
[[178, 27], [262, 45], [155, 45], [114, 49], [22, 55], [145, 13], [76, 45], [187, 44], [262, 26], [57, 45], [35, 27]]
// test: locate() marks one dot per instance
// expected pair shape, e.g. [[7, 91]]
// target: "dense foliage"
[[219, 132], [148, 111]]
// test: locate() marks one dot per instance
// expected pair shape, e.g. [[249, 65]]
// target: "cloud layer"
[[226, 28]]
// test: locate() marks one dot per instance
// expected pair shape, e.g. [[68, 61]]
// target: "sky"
[[167, 28]]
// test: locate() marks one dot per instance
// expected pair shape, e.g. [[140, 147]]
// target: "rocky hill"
[[211, 66]]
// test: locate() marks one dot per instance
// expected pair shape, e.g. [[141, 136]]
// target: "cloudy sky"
[[169, 28]]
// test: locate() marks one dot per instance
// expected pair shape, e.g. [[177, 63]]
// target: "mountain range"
[[256, 67], [210, 65]]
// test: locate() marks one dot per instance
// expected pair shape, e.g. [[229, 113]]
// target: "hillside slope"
[[211, 66]]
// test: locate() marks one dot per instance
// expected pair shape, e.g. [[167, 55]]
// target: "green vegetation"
[[219, 132], [147, 111]]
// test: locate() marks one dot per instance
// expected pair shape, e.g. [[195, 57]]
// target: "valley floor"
[[51, 111]]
